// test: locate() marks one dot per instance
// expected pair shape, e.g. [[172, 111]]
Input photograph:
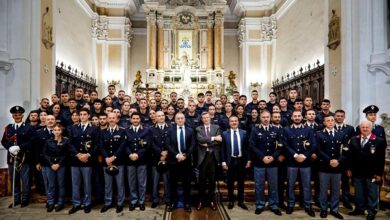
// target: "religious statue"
[[334, 31], [386, 125], [138, 80], [232, 78], [47, 30], [184, 59]]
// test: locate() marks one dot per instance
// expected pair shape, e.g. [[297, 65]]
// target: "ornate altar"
[[185, 46]]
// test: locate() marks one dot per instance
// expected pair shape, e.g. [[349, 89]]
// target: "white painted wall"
[[231, 56], [73, 35], [138, 59], [300, 38]]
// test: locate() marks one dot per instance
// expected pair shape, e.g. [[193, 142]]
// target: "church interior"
[[325, 49]]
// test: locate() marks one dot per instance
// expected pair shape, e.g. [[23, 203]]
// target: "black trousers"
[[236, 172], [207, 170], [282, 179], [181, 172]]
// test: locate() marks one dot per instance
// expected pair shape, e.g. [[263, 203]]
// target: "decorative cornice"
[[284, 8], [86, 8], [380, 67]]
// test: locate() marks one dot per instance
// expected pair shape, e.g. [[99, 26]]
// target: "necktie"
[[338, 128], [235, 144], [111, 131], [331, 133], [208, 131], [83, 128], [364, 141], [50, 131], [182, 145], [266, 128], [135, 130], [16, 127]]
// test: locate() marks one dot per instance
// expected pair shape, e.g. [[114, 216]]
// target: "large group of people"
[[83, 145]]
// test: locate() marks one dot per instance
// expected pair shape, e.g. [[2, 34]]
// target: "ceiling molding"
[[139, 31], [284, 8], [84, 5], [113, 3], [230, 32]]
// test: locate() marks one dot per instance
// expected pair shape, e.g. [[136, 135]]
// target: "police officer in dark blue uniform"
[[265, 144], [135, 148], [85, 139], [348, 132], [17, 140], [300, 145], [111, 147], [55, 154], [331, 144], [159, 134]]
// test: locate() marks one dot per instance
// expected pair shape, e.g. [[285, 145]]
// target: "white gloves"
[[14, 150]]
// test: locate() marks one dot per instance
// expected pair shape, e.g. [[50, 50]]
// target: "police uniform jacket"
[[265, 143], [85, 142], [111, 144], [330, 148], [22, 138], [298, 140], [159, 141], [136, 142], [56, 153]]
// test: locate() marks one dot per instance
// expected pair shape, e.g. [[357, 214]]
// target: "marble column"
[[151, 27], [218, 40], [160, 42], [210, 48]]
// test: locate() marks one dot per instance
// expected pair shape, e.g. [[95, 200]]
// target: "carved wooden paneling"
[[309, 83]]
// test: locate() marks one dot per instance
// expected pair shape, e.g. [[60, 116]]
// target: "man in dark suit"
[[181, 144], [348, 131], [235, 160], [85, 139], [17, 140], [366, 165], [209, 139]]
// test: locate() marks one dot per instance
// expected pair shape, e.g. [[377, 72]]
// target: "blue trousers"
[[136, 176], [292, 173], [260, 175], [22, 181], [81, 174], [120, 184], [366, 194], [156, 180], [55, 180], [330, 181]]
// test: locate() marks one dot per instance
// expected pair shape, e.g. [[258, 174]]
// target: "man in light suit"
[[209, 140], [181, 144], [235, 160]]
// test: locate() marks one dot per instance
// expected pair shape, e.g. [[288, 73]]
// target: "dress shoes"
[[310, 212], [24, 204], [50, 208], [336, 215], [242, 205], [154, 205], [323, 214], [276, 211], [119, 209], [105, 208], [12, 205], [289, 210], [142, 207], [87, 209], [230, 205], [74, 209], [258, 211], [59, 208], [131, 207]]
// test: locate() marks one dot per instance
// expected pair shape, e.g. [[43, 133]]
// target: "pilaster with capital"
[[210, 48], [151, 28], [160, 42], [218, 39]]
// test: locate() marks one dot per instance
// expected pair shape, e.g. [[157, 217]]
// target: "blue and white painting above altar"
[[185, 46]]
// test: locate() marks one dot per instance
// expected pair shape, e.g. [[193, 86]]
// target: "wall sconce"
[[113, 82]]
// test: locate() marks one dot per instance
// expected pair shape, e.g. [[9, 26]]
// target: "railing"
[[308, 83], [68, 78]]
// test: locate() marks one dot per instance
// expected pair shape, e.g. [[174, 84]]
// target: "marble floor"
[[38, 211]]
